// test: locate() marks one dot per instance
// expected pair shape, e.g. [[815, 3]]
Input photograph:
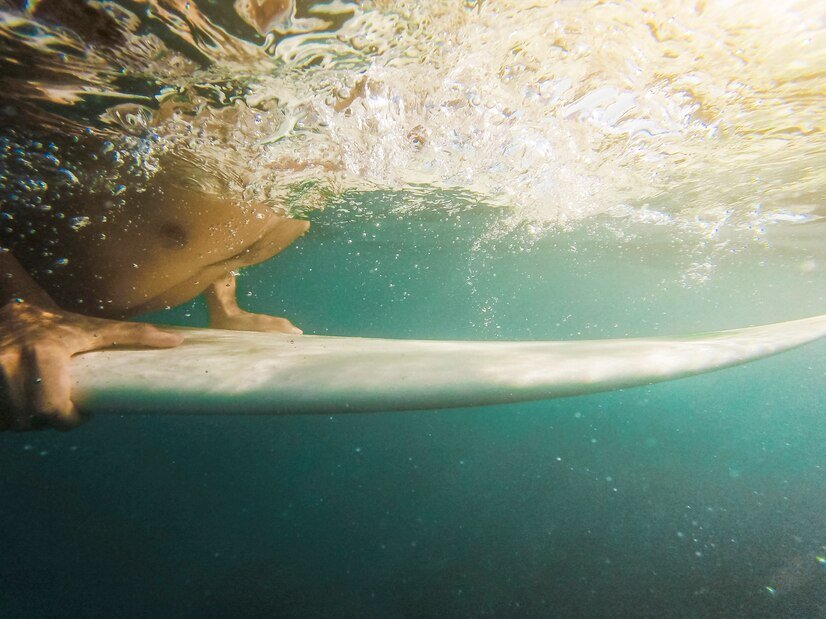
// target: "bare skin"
[[180, 238], [170, 245], [36, 345]]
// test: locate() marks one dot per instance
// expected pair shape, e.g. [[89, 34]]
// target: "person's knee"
[[293, 229], [302, 226]]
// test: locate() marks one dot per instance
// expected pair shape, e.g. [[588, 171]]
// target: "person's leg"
[[215, 278], [224, 312]]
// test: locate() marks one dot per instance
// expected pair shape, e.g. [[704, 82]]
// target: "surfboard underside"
[[232, 372]]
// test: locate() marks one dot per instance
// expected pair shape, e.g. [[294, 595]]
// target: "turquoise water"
[[473, 170], [696, 498]]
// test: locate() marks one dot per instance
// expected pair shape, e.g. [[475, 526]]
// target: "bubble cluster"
[[706, 114]]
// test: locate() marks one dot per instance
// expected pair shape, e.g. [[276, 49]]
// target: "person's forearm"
[[221, 297], [16, 283]]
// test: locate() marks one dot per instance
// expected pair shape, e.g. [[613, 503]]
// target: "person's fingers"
[[48, 386], [134, 334]]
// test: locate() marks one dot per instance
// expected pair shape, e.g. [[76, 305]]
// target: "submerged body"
[[169, 244], [165, 246], [79, 253]]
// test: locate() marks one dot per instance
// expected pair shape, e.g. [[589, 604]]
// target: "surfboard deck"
[[235, 372]]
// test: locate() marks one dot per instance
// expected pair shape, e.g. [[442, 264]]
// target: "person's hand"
[[247, 321], [36, 346]]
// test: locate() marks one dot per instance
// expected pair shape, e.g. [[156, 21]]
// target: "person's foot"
[[246, 321]]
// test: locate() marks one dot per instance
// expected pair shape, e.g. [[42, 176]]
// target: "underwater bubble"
[[808, 266], [69, 175], [79, 222]]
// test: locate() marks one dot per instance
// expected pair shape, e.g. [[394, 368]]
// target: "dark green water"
[[704, 497]]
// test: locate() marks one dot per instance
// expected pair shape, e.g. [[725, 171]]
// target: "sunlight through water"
[[707, 114]]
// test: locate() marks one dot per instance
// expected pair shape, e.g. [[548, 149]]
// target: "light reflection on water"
[[704, 114]]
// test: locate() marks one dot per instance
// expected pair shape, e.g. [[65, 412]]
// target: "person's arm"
[[37, 341], [224, 312], [16, 285]]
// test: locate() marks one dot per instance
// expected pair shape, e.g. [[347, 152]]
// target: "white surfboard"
[[233, 372]]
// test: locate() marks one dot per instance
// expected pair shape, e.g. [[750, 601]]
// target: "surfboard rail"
[[233, 372]]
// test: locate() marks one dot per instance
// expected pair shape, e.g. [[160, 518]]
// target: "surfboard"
[[233, 372]]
